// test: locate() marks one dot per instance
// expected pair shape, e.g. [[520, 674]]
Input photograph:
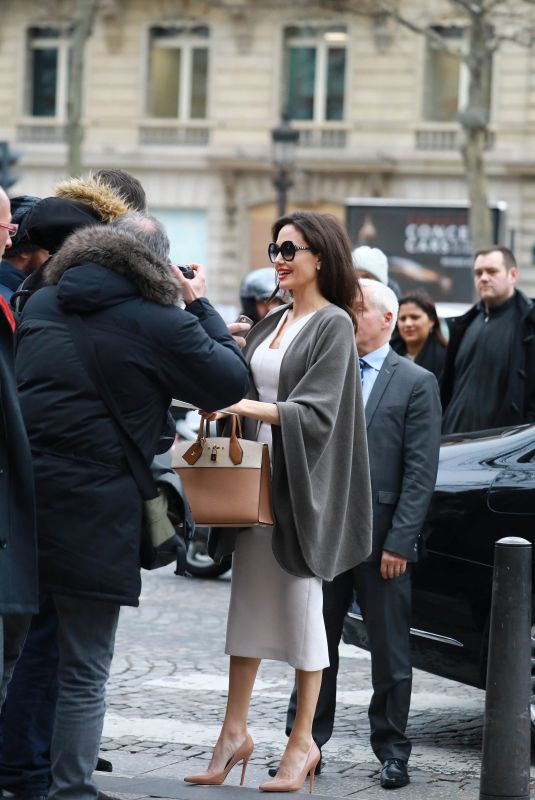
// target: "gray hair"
[[148, 230], [382, 297]]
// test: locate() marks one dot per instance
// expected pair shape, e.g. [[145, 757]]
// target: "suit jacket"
[[403, 421]]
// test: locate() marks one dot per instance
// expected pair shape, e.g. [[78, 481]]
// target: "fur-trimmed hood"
[[99, 196], [77, 202], [121, 253]]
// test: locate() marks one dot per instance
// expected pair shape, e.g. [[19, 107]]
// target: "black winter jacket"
[[89, 510], [431, 357], [18, 553], [518, 404]]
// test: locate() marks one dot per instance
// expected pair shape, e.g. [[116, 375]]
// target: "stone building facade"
[[184, 94]]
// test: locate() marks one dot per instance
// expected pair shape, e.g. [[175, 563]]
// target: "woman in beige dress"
[[306, 405]]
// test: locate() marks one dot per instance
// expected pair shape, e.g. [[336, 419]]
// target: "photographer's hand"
[[192, 288], [235, 329]]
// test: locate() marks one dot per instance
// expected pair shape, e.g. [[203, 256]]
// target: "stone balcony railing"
[[41, 132], [321, 136], [182, 135], [443, 137]]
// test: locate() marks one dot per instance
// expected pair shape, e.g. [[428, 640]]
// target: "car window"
[[527, 458]]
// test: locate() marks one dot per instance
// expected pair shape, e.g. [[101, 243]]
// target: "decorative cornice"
[[113, 14], [180, 9], [53, 13]]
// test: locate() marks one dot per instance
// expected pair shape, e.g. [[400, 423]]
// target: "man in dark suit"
[[403, 418]]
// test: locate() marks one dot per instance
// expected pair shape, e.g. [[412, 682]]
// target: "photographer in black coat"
[[89, 508], [18, 565]]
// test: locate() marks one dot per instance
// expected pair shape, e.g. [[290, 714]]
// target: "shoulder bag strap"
[[86, 353]]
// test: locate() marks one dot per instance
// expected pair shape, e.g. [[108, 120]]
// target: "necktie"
[[362, 364]]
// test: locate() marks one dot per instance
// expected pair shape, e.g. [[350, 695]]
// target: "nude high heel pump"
[[243, 753], [284, 785]]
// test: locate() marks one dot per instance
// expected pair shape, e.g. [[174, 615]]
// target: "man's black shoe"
[[103, 765], [272, 771], [104, 796], [394, 774]]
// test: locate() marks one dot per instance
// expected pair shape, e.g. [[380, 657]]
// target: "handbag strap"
[[86, 353], [194, 452]]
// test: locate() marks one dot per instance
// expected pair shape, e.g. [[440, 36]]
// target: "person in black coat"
[[418, 335], [18, 563], [116, 278], [27, 716], [489, 374], [22, 258]]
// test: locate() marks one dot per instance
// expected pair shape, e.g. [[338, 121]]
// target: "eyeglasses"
[[10, 227], [286, 249]]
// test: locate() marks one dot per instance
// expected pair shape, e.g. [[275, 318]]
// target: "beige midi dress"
[[273, 614]]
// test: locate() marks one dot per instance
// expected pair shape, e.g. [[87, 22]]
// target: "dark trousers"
[[86, 638], [13, 631], [386, 609], [27, 719]]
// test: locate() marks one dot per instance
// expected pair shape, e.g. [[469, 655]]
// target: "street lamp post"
[[284, 140]]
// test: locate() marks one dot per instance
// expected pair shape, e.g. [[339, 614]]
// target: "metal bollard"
[[506, 735]]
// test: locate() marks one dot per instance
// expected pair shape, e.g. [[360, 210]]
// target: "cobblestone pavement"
[[166, 699]]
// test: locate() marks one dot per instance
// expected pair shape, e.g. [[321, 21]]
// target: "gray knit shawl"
[[321, 483]]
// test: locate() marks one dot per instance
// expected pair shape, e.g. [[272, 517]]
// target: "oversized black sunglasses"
[[286, 249]]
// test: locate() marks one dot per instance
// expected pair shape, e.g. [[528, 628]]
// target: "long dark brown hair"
[[326, 237], [425, 303]]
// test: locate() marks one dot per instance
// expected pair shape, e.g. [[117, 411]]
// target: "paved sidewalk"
[[161, 777], [166, 701]]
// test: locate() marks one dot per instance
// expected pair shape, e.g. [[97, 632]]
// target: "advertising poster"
[[427, 244]]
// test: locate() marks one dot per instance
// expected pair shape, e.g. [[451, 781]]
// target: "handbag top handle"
[[193, 453]]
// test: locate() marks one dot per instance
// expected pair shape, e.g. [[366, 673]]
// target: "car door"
[[484, 491]]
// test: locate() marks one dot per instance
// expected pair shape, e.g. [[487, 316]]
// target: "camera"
[[186, 270]]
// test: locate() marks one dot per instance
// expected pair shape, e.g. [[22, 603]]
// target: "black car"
[[485, 490]]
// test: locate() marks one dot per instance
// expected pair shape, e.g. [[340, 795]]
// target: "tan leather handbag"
[[227, 480]]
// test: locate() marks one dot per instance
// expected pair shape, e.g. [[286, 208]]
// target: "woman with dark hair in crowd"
[[306, 404], [418, 335]]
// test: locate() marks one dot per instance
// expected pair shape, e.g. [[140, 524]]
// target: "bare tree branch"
[[524, 38]]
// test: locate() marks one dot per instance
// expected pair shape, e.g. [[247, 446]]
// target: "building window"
[[47, 72], [178, 72], [446, 78], [187, 229], [316, 73]]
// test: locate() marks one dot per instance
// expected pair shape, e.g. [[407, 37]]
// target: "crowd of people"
[[350, 388]]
